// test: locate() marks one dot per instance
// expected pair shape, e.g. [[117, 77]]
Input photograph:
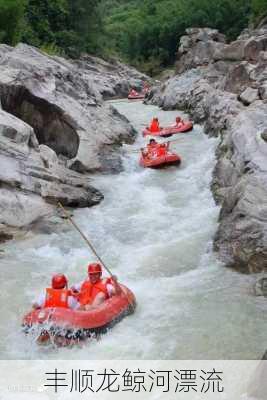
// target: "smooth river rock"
[[229, 99], [55, 128]]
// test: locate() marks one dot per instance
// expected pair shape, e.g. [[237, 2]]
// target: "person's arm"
[[112, 288], [99, 299], [115, 285], [75, 289], [39, 303], [73, 303], [144, 152]]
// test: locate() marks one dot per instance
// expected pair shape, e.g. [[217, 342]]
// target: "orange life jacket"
[[89, 291], [161, 150], [56, 298], [154, 126]]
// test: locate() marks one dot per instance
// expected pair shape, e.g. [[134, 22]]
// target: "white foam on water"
[[154, 230]]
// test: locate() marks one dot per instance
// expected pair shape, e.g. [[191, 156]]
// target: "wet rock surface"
[[223, 86], [54, 125], [261, 288], [4, 236], [248, 96]]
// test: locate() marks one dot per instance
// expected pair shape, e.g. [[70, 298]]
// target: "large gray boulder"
[[198, 47], [110, 78], [62, 104], [54, 128], [228, 95], [32, 177], [254, 46], [249, 95], [231, 67], [230, 52]]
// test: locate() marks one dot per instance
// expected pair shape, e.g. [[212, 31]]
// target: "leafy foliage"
[[259, 8], [65, 24], [142, 32], [52, 49], [146, 33], [11, 20]]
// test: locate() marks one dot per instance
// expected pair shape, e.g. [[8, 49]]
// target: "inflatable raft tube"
[[139, 96], [160, 161], [78, 325], [171, 130]]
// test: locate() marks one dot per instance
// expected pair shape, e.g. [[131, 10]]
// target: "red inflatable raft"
[[78, 325], [134, 95], [138, 96], [170, 130], [159, 161]]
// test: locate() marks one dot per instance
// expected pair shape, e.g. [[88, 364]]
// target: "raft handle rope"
[[84, 237]]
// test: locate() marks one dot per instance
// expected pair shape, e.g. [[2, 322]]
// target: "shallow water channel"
[[154, 229]]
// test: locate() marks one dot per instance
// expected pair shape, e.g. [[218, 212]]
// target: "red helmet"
[[94, 268], [59, 281]]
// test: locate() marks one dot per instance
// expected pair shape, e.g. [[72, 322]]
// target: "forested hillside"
[[142, 32], [58, 26]]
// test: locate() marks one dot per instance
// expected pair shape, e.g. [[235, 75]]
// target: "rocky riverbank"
[[54, 129], [224, 86]]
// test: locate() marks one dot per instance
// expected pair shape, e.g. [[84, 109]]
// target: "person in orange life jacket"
[[178, 122], [133, 92], [153, 144], [150, 147], [94, 290], [57, 296], [163, 149], [154, 126]]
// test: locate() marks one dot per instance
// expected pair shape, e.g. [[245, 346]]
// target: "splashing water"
[[154, 229]]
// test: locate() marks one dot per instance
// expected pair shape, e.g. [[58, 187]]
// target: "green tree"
[[148, 31], [144, 33], [45, 19], [85, 21], [70, 25], [11, 20], [259, 8]]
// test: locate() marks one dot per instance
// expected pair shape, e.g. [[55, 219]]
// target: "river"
[[154, 229]]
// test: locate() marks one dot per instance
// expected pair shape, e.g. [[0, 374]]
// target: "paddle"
[[92, 249], [139, 149]]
